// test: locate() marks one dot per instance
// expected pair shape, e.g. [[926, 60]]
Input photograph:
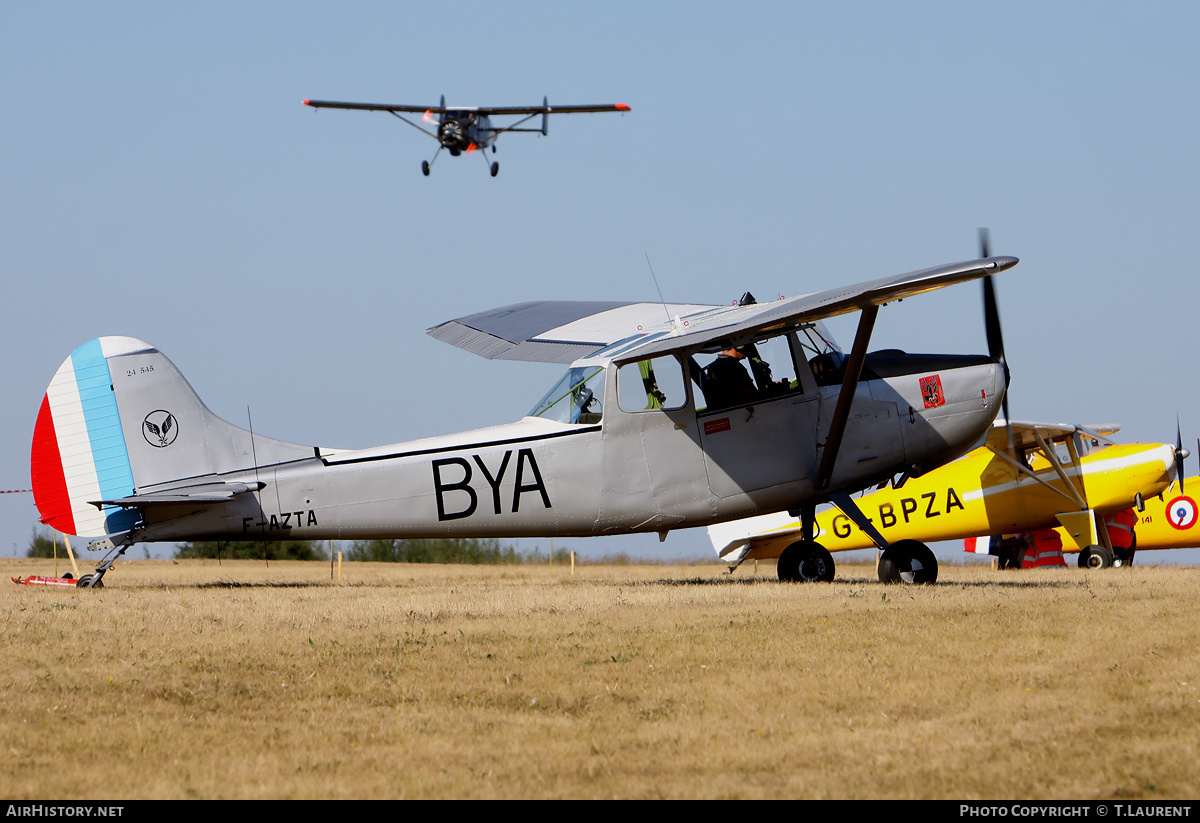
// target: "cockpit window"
[[578, 397], [746, 373], [656, 383], [824, 357]]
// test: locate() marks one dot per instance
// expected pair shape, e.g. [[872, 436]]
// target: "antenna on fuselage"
[[673, 321], [254, 458]]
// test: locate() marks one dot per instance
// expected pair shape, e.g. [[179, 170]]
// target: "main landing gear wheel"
[[806, 562], [908, 561], [85, 582], [425, 167], [1095, 557], [495, 169]]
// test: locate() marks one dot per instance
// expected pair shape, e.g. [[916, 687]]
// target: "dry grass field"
[[195, 680]]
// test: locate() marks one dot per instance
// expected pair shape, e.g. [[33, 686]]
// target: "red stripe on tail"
[[46, 472]]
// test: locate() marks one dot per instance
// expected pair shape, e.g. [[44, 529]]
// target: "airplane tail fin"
[[118, 417]]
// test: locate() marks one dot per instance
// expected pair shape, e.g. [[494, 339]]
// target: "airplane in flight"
[[1026, 477], [463, 129], [637, 435]]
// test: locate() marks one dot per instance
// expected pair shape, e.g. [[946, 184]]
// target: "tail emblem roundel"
[[159, 429]]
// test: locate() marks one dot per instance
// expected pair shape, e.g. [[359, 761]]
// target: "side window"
[[750, 373], [772, 366], [656, 383]]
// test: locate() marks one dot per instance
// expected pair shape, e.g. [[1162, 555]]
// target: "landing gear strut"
[[806, 561], [115, 550]]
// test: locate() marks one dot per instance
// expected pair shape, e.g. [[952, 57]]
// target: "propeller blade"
[[991, 322], [1179, 454]]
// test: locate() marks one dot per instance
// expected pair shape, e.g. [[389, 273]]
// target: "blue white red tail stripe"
[[79, 452]]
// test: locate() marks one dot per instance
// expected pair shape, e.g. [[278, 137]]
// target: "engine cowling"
[[453, 136]]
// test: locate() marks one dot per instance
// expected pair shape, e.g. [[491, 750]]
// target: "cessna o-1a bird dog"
[[1026, 476], [124, 449], [467, 128]]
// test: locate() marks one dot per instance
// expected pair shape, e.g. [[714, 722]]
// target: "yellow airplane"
[[1167, 521], [1026, 477]]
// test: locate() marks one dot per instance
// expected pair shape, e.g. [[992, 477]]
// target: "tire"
[[806, 562], [425, 167], [495, 169], [1095, 557], [908, 561]]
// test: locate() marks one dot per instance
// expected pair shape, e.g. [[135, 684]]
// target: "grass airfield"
[[247, 680]]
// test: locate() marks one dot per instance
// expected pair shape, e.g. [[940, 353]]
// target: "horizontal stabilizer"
[[207, 493]]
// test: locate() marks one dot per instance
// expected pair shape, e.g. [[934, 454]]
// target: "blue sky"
[[161, 179]]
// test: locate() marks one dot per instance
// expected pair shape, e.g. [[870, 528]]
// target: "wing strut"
[[849, 508], [841, 412]]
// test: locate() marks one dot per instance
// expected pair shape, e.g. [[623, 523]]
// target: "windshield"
[[576, 398], [824, 356]]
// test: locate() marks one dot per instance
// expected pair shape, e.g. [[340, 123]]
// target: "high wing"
[[555, 331], [484, 110], [559, 332], [1026, 435], [332, 104], [547, 109]]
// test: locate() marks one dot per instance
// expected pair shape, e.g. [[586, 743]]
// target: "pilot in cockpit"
[[725, 381]]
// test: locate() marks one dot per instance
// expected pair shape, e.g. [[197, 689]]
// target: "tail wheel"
[[908, 561], [806, 562], [1095, 557]]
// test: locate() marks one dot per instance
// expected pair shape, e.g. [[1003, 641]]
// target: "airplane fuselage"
[[622, 471], [462, 130]]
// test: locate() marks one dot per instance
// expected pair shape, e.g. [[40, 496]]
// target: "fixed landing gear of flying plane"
[[494, 168]]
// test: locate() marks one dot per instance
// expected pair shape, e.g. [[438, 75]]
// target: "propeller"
[[1180, 454], [991, 320]]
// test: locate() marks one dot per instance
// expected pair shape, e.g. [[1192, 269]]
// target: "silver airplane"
[[637, 436], [467, 128]]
